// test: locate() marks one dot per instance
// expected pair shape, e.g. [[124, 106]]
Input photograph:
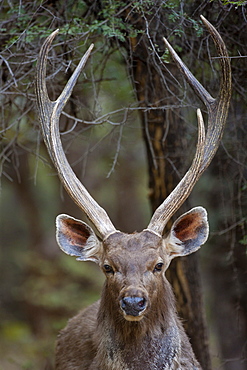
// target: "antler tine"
[[178, 196], [217, 113], [49, 114]]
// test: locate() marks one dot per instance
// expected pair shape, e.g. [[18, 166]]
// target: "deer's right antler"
[[49, 114]]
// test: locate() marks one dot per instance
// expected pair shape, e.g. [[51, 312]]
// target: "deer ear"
[[76, 238], [188, 233]]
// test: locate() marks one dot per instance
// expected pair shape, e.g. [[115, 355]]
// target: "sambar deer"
[[134, 325]]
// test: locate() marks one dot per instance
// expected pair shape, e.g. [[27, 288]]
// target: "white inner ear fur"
[[173, 245], [93, 248]]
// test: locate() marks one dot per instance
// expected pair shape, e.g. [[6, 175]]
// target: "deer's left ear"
[[188, 233]]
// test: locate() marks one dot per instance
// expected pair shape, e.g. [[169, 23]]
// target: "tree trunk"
[[164, 137]]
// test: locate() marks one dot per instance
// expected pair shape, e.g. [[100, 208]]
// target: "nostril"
[[133, 305], [124, 302], [142, 303]]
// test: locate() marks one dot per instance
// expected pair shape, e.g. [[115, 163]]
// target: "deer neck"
[[160, 319]]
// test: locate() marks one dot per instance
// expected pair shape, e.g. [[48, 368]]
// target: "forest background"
[[109, 146]]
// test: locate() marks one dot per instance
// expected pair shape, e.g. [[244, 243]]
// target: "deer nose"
[[133, 306]]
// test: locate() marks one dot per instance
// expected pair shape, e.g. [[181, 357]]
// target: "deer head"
[[135, 262]]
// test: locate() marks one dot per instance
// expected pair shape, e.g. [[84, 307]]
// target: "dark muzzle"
[[133, 306]]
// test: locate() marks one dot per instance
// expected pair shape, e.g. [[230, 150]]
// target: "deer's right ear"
[[76, 238]]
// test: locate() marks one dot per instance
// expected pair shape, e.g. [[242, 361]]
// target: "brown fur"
[[100, 337]]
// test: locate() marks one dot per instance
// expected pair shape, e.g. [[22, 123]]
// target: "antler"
[[49, 113], [217, 113]]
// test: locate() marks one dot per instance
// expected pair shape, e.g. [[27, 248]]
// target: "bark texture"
[[164, 135]]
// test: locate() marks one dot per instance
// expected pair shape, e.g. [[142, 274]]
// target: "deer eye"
[[108, 269], [158, 267]]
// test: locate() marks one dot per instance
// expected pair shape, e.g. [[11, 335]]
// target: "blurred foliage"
[[235, 3], [41, 288]]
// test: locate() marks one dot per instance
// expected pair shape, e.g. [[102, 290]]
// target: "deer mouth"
[[133, 318]]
